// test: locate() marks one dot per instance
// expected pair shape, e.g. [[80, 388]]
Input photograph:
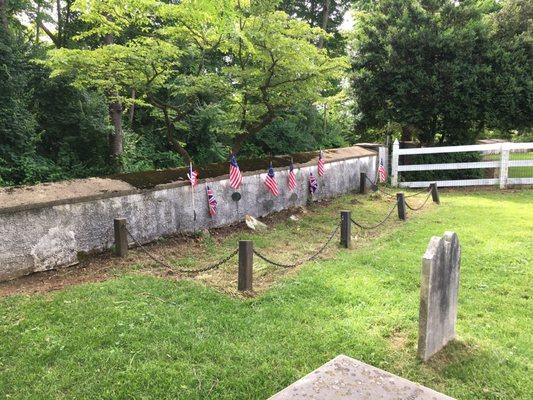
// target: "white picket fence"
[[503, 164]]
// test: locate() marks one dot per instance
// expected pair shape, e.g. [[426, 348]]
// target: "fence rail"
[[502, 166]]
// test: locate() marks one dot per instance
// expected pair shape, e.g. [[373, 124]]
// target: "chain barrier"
[[420, 207], [375, 185], [185, 271], [425, 190], [299, 262], [379, 223]]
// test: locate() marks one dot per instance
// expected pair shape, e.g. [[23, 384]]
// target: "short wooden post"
[[346, 229], [121, 237], [362, 183], [434, 192], [401, 205], [246, 264]]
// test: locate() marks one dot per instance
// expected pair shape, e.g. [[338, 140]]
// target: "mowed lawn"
[[143, 337]]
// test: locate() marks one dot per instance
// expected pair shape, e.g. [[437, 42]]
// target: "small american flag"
[[313, 184], [193, 176], [270, 181], [235, 175], [212, 202], [382, 172], [321, 169], [292, 178]]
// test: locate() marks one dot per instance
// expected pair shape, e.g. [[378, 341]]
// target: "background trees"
[[441, 71], [89, 87]]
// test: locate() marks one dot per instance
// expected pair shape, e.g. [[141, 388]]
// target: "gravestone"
[[438, 294], [345, 378]]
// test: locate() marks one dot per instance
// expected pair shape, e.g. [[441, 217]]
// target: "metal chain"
[[379, 223], [374, 185], [420, 207], [299, 262], [417, 193], [185, 271]]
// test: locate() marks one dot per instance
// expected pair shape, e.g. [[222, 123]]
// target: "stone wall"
[[52, 235]]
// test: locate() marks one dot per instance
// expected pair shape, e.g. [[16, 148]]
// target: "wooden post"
[[394, 164], [246, 264], [121, 237], [434, 192], [504, 165], [362, 183], [401, 206], [346, 229]]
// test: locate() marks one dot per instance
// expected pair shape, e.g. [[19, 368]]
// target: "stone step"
[[345, 378]]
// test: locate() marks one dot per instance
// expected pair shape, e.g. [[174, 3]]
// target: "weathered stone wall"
[[46, 237], [438, 294]]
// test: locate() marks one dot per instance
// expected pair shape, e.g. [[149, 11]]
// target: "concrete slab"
[[345, 378]]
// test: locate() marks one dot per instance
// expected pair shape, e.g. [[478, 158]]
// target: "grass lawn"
[[138, 336]]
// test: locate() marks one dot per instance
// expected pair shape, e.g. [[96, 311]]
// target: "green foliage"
[[441, 70]]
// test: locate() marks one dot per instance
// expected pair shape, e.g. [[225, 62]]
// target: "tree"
[[274, 66], [325, 14], [419, 64]]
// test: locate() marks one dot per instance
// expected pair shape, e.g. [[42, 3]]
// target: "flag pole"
[[192, 191]]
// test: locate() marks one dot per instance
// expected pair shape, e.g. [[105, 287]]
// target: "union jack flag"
[[193, 176], [270, 181], [235, 175], [382, 172], [212, 202], [292, 178], [313, 184], [321, 169]]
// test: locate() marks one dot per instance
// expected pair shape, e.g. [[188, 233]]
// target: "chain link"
[[420, 207], [299, 262], [425, 190], [185, 271], [366, 227], [375, 185]]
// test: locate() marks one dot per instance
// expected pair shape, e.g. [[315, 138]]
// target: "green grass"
[[142, 337]]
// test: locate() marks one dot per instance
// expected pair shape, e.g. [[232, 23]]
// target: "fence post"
[[394, 164], [246, 264], [434, 192], [504, 165], [362, 183], [401, 205], [121, 237], [346, 229]]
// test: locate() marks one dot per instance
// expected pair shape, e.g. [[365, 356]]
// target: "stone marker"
[[438, 294], [344, 378]]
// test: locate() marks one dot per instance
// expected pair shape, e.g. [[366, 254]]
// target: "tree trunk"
[[172, 140], [116, 137], [325, 19], [3, 15]]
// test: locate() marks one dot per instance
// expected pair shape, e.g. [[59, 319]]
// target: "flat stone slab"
[[345, 378]]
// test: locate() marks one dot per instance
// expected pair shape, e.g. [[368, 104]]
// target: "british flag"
[[382, 172], [193, 176], [313, 184], [292, 178], [270, 181], [321, 169], [235, 175], [212, 202]]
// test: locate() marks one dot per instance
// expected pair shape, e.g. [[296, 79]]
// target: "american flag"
[[292, 178], [212, 202], [382, 172], [193, 176], [235, 176], [313, 184], [270, 181], [320, 164]]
